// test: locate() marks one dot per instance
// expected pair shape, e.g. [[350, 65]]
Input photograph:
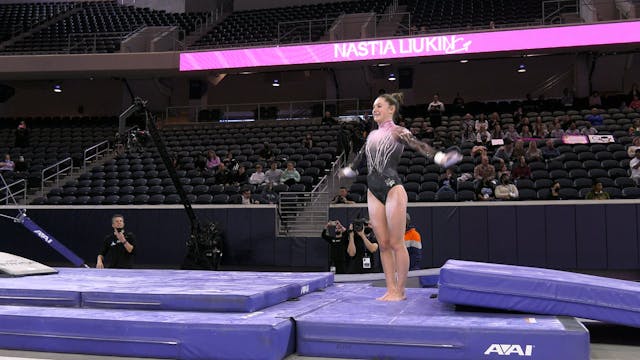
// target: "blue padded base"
[[160, 289], [358, 326], [540, 291]]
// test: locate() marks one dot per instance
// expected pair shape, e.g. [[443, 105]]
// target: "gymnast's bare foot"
[[383, 297], [393, 296]]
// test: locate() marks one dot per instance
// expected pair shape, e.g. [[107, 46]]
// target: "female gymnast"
[[386, 197]]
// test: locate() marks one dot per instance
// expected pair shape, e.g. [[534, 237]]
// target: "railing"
[[76, 40], [94, 152], [10, 194], [290, 110], [552, 10], [302, 213], [60, 167], [302, 30]]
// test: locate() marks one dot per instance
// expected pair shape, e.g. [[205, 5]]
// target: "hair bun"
[[399, 97]]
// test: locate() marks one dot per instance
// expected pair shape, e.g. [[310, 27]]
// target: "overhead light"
[[392, 77], [464, 61], [245, 72], [383, 64], [275, 83], [522, 68], [57, 88]]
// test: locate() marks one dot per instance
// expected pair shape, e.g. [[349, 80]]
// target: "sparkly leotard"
[[383, 150]]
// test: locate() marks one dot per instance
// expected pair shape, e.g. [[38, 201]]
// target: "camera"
[[359, 224]]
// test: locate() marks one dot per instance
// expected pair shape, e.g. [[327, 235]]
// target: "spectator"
[[511, 133], [272, 176], [595, 100], [435, 110], [484, 173], [341, 198], [502, 169], [480, 123], [540, 130], [526, 132], [458, 105], [483, 137], [505, 152], [413, 242], [290, 175], [506, 190], [518, 115], [634, 164], [258, 176], [7, 164], [549, 151], [524, 122], [267, 195], [468, 136], [448, 182], [518, 150], [230, 162], [240, 176], [497, 132], [554, 194], [635, 145], [213, 161], [557, 132], [597, 193], [533, 153], [595, 118], [588, 130], [266, 153], [494, 120], [567, 98], [467, 122], [246, 197], [635, 103], [223, 175], [572, 130], [307, 142], [22, 135], [521, 169], [337, 246], [328, 119]]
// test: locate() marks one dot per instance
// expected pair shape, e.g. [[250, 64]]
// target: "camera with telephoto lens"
[[359, 224]]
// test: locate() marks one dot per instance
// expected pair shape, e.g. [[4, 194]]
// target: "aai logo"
[[43, 236], [509, 349]]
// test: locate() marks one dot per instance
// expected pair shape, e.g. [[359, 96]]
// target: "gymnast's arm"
[[351, 170], [408, 139]]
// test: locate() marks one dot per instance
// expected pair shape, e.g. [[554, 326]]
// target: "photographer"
[[120, 245], [337, 246], [362, 249]]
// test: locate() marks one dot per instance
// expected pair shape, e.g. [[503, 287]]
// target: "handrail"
[[10, 195], [98, 151], [58, 171], [112, 35]]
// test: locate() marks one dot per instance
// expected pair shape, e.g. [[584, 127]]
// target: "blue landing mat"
[[424, 328], [540, 291], [264, 334], [160, 289]]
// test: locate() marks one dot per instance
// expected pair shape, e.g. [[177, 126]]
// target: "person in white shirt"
[[258, 176], [272, 176], [506, 190], [634, 164], [435, 110]]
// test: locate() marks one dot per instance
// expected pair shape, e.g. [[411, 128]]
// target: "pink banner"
[[466, 43]]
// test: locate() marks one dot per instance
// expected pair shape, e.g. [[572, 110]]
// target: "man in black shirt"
[[120, 246], [362, 249], [337, 246]]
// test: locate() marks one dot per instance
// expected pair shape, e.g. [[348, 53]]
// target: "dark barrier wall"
[[570, 235]]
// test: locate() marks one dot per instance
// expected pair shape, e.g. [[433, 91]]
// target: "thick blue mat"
[[264, 334], [424, 328], [160, 289], [540, 291]]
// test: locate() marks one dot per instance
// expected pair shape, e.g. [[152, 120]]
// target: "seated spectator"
[[290, 175], [549, 151], [557, 132], [524, 122], [540, 130], [572, 130], [521, 169], [494, 120], [518, 115], [481, 123], [266, 153], [223, 175], [533, 153], [526, 133], [467, 122], [506, 190], [267, 195], [240, 176], [328, 119], [595, 118], [272, 176], [511, 133], [213, 161], [230, 162], [505, 152], [518, 150], [554, 194], [588, 130], [597, 193], [484, 173], [468, 136], [341, 198], [448, 181], [497, 132], [595, 100], [635, 145], [502, 169], [483, 137], [22, 135], [247, 199], [635, 104], [258, 176], [307, 142], [478, 150], [7, 164], [634, 164]]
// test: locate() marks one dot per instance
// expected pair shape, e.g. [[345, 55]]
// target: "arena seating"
[[102, 25], [261, 26], [18, 18], [442, 14]]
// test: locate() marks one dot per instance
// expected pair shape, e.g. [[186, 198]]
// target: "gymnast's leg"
[[396, 211], [378, 222]]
